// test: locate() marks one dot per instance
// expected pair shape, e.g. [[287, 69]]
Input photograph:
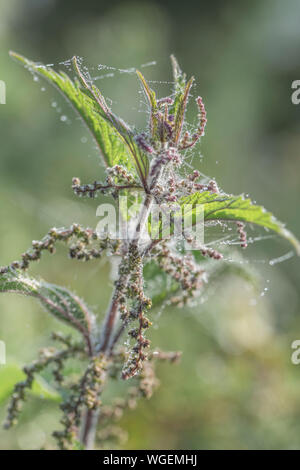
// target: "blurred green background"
[[235, 386]]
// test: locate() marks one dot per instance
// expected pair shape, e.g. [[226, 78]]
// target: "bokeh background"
[[235, 386]]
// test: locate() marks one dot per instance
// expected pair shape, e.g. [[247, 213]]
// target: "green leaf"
[[179, 84], [114, 138], [60, 302], [139, 160], [11, 373], [150, 94], [181, 94], [237, 208], [182, 101]]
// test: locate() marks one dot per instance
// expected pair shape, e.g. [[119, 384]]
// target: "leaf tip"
[[19, 57], [74, 61], [175, 66], [14, 55]]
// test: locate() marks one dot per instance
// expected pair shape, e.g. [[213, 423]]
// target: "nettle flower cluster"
[[146, 167]]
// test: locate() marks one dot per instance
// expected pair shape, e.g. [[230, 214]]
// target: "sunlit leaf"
[[150, 94], [114, 138], [237, 208], [181, 108], [179, 84]]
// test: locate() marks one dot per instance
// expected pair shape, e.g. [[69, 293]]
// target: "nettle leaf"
[[141, 162], [181, 94], [10, 374], [148, 92], [236, 208], [179, 84], [182, 101], [151, 97], [114, 138], [138, 159], [60, 302]]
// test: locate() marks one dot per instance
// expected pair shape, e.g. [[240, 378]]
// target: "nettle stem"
[[112, 314], [111, 318], [89, 428], [109, 338]]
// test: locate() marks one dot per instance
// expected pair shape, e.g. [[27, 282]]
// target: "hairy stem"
[[110, 321], [89, 427], [108, 340], [112, 314]]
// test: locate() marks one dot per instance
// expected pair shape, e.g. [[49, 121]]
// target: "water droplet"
[[83, 140], [43, 89], [63, 118], [35, 78], [53, 104]]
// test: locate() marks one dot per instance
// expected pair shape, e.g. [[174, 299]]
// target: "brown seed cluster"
[[118, 179], [48, 356], [85, 244], [242, 234], [144, 385], [139, 304], [84, 394], [211, 253], [188, 140], [183, 270]]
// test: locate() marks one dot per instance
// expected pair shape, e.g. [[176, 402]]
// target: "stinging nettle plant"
[[145, 167]]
